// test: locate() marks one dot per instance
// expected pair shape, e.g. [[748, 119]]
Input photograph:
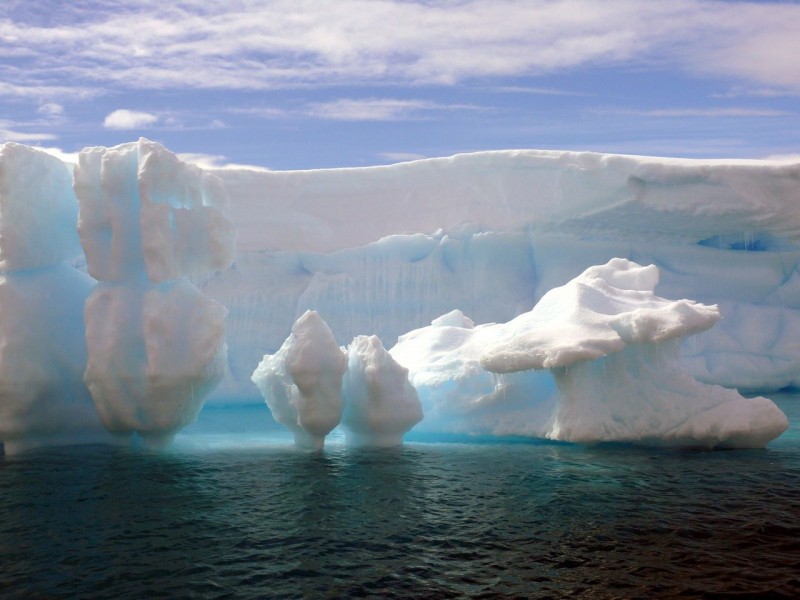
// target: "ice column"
[[148, 222], [43, 399], [302, 381], [381, 404]]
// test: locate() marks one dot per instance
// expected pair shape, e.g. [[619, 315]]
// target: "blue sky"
[[293, 84]]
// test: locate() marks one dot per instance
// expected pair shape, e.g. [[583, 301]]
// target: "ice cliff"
[[383, 250]]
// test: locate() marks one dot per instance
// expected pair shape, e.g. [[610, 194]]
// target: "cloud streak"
[[149, 44], [711, 113], [377, 109]]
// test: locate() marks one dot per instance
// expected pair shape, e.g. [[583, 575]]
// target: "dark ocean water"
[[247, 516]]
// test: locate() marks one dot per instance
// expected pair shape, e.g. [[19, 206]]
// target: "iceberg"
[[302, 382], [612, 347], [163, 306], [155, 343], [596, 360], [381, 405]]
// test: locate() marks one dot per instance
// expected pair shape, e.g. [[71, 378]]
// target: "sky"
[[302, 84]]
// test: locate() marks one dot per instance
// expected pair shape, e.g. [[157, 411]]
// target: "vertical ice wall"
[[148, 222], [43, 398]]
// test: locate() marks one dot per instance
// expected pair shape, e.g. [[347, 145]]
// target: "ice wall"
[[384, 250], [43, 399]]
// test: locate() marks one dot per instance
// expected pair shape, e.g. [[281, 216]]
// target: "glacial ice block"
[[156, 344], [380, 403], [143, 210], [38, 209], [155, 351], [43, 399], [612, 346], [599, 312], [302, 382], [460, 396]]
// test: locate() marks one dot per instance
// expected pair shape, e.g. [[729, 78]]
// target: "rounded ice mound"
[[302, 382], [460, 396], [143, 210], [612, 347], [599, 312], [381, 404], [154, 354], [38, 209]]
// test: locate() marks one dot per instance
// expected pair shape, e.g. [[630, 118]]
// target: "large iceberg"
[[138, 343]]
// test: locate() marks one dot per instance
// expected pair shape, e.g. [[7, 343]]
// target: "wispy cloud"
[[377, 109], [535, 91], [731, 112], [8, 134], [215, 161], [51, 110], [150, 44], [129, 119]]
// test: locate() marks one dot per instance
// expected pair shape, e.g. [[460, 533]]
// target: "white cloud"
[[215, 161], [51, 109], [129, 119], [377, 109], [7, 134], [241, 44]]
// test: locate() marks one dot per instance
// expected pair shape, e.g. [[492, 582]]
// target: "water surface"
[[247, 516]]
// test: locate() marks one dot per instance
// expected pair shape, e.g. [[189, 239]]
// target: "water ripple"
[[428, 520]]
